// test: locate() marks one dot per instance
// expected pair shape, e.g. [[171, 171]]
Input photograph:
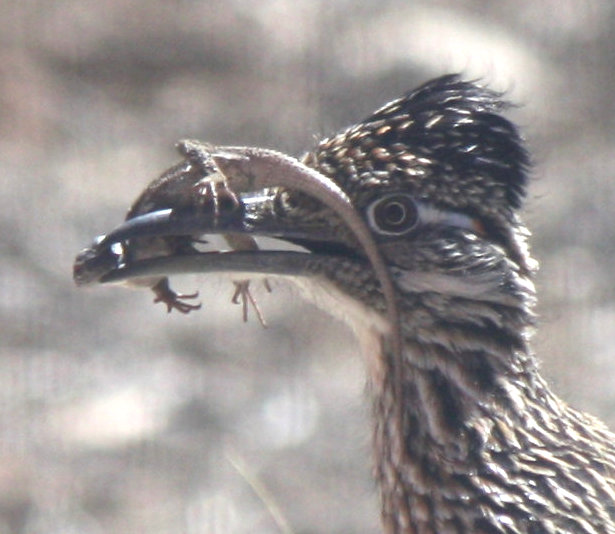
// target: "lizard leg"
[[173, 300], [242, 291]]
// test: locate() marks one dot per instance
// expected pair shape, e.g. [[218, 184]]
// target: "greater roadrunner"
[[473, 441]]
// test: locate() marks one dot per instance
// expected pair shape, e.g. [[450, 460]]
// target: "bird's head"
[[437, 176], [442, 155]]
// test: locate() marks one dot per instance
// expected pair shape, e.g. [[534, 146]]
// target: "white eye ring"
[[397, 214], [393, 215]]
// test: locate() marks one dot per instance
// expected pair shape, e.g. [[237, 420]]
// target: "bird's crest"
[[445, 142]]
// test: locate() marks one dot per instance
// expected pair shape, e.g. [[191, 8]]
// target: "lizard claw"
[[216, 195], [242, 291], [267, 285], [173, 300]]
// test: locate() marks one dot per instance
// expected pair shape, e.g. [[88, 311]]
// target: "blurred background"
[[116, 417]]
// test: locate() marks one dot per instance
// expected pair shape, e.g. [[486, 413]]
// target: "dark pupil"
[[394, 213]]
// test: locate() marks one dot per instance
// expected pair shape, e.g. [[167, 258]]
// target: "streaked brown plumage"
[[484, 445], [488, 447]]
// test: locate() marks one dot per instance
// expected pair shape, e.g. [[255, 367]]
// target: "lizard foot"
[[173, 300], [242, 291]]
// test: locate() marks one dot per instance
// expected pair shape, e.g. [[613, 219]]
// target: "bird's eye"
[[394, 214]]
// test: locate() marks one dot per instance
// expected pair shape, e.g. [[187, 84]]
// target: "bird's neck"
[[469, 384]]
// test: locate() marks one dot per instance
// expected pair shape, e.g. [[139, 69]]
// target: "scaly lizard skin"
[[194, 184], [255, 169]]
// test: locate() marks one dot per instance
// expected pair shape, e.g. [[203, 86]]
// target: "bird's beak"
[[257, 214]]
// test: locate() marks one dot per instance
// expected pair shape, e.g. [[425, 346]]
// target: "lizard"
[[254, 169], [194, 184]]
